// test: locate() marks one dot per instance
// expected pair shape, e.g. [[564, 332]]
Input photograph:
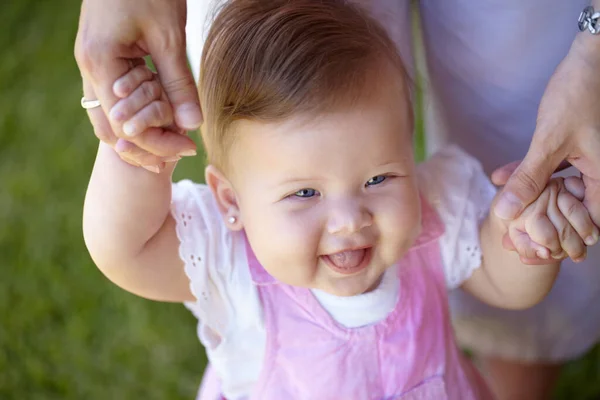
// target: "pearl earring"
[[232, 219]]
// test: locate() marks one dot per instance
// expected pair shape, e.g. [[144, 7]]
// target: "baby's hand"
[[556, 225], [143, 102]]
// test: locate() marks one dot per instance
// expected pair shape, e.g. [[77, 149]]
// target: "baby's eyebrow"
[[296, 182], [391, 164], [293, 180]]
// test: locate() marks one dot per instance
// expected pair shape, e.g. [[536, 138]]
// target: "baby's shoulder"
[[208, 248], [215, 257], [456, 186], [449, 161], [450, 172]]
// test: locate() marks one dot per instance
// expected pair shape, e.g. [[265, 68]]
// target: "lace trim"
[[194, 236], [462, 195], [185, 233]]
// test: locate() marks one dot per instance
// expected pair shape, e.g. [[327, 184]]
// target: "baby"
[[318, 255]]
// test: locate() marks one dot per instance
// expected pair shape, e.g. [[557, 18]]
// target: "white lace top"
[[228, 308]]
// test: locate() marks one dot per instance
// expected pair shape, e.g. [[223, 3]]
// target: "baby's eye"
[[376, 180], [306, 193]]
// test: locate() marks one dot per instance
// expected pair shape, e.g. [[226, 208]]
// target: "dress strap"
[[431, 225], [259, 275]]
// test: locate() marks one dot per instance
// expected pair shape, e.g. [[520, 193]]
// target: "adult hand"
[[113, 36], [561, 227], [568, 128]]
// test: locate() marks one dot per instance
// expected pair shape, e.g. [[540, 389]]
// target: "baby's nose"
[[348, 218]]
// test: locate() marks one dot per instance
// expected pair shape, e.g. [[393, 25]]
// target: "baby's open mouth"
[[349, 261]]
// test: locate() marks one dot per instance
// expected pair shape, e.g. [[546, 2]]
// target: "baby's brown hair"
[[266, 60]]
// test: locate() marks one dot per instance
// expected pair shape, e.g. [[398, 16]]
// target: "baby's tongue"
[[347, 259]]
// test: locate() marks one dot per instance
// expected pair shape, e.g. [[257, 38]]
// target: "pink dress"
[[411, 354]]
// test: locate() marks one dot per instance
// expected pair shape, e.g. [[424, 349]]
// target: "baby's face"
[[329, 202]]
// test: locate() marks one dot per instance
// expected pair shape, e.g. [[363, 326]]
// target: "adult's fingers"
[[169, 56], [165, 143], [528, 180], [129, 152], [113, 36], [570, 241], [101, 65], [100, 123], [160, 142], [135, 155], [501, 174], [592, 198], [578, 217]]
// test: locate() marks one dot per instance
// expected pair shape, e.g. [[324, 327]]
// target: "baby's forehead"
[[383, 105], [330, 143]]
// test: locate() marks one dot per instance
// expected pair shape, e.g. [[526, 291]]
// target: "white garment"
[[228, 308]]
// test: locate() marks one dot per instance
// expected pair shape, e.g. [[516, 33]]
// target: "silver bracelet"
[[590, 20]]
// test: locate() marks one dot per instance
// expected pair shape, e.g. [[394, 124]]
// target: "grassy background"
[[66, 332]]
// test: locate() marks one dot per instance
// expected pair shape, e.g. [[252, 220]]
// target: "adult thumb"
[[526, 183], [502, 174], [178, 83]]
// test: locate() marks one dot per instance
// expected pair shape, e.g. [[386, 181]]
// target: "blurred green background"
[[66, 332]]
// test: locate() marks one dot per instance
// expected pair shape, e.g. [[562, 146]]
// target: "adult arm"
[[568, 129]]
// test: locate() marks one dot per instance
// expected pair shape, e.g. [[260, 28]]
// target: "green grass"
[[66, 332]]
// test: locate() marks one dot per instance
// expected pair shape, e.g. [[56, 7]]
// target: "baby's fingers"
[[578, 217], [507, 244], [165, 143], [158, 113], [126, 84], [145, 93], [526, 246], [132, 154], [541, 231]]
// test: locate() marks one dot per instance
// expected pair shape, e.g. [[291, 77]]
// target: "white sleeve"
[[215, 262], [456, 186]]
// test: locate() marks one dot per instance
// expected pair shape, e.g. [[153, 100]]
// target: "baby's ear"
[[225, 195]]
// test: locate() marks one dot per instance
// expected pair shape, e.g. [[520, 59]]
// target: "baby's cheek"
[[286, 248], [399, 224]]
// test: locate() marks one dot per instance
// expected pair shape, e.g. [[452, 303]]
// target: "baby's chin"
[[363, 282]]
